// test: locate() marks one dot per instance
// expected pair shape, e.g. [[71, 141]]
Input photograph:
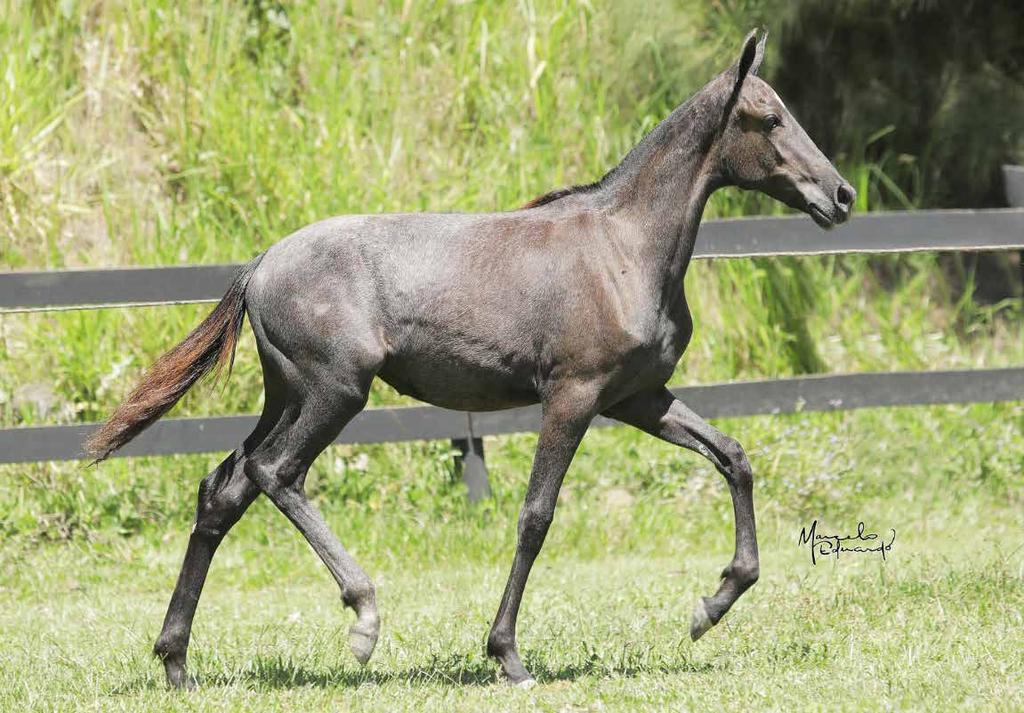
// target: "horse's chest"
[[653, 348], [667, 345]]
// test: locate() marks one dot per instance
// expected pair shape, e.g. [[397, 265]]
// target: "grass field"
[[155, 132], [608, 633], [642, 530]]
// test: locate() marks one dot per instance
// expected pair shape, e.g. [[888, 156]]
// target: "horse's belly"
[[455, 385]]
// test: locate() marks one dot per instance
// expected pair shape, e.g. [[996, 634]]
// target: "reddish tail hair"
[[207, 348]]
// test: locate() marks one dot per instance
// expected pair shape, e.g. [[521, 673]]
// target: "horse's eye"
[[771, 121]]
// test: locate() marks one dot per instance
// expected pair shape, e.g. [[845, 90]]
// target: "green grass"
[[912, 633], [154, 132], [642, 530]]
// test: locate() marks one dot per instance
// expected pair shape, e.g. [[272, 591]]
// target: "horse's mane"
[[558, 193], [550, 196]]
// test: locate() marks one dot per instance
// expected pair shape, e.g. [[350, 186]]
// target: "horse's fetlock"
[[746, 573], [171, 645], [359, 596], [500, 643]]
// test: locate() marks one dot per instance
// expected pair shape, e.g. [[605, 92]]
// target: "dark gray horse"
[[575, 301]]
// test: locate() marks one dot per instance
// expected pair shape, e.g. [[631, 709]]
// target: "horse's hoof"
[[362, 640], [700, 622], [178, 678], [185, 682], [526, 684]]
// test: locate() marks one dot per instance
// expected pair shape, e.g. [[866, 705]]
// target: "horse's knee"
[[736, 465], [534, 523]]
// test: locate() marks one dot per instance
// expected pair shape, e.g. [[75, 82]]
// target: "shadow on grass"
[[273, 673], [455, 671]]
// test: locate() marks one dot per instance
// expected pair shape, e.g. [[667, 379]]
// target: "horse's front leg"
[[661, 414], [567, 414]]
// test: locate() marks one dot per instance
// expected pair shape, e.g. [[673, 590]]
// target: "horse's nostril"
[[845, 195]]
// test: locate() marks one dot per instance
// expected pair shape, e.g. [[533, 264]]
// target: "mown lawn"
[[605, 621]]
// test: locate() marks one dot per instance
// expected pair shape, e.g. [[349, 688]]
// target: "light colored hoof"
[[362, 640], [700, 622], [526, 684]]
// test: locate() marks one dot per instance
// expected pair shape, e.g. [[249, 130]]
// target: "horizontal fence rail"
[[414, 423], [897, 232]]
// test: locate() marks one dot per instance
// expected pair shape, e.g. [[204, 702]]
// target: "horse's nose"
[[845, 195]]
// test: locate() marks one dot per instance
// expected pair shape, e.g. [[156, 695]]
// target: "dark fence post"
[[1013, 184], [470, 462]]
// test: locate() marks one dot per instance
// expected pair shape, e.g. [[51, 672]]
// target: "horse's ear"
[[751, 56], [759, 54]]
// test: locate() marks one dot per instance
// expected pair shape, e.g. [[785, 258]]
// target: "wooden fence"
[[947, 230]]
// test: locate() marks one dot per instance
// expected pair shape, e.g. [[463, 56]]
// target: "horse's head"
[[764, 148]]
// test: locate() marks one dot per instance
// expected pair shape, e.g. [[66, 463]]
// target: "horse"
[[575, 301]]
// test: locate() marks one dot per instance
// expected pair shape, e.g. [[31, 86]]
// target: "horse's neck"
[[662, 186]]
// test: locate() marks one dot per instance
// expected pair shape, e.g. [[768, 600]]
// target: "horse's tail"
[[209, 346]]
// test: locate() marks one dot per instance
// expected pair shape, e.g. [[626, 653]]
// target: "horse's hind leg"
[[224, 495], [278, 466]]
